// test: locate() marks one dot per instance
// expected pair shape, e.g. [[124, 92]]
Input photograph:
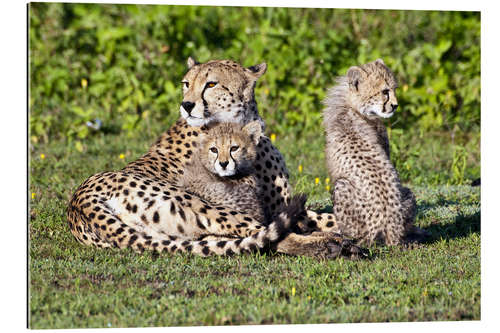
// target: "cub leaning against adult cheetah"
[[369, 202], [223, 172], [143, 207]]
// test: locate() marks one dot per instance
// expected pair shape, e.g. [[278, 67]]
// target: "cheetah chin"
[[193, 121]]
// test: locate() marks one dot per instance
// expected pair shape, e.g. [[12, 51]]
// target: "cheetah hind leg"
[[319, 244], [414, 234], [226, 245]]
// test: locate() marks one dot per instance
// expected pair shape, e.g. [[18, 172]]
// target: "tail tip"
[[296, 209]]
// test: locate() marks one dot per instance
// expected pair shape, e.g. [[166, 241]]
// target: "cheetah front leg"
[[321, 245]]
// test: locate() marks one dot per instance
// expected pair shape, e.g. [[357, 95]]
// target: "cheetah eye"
[[214, 150], [234, 148], [186, 84], [211, 84], [385, 92]]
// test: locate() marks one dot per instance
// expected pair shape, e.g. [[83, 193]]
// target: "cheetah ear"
[[354, 77], [258, 70], [379, 61], [191, 62], [253, 130]]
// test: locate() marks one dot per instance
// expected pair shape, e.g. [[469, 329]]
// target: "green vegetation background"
[[122, 64]]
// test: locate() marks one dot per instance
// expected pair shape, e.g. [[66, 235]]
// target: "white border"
[[13, 139]]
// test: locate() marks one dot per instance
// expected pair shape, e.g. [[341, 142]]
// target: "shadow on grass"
[[462, 227]]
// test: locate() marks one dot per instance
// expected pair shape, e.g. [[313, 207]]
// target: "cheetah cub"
[[369, 202], [223, 173]]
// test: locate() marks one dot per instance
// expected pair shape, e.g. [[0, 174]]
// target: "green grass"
[[75, 286]]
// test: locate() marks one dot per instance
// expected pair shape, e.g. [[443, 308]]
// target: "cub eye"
[[186, 84], [211, 84], [214, 150], [234, 148], [385, 92]]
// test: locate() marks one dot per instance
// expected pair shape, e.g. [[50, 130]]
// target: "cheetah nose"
[[224, 164], [188, 106], [394, 107]]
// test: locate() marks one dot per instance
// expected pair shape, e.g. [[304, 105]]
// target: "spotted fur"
[[370, 204], [224, 171], [145, 207]]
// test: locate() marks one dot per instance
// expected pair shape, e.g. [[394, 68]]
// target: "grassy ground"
[[75, 286]]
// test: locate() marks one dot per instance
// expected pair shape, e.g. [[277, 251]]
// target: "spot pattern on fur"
[[144, 207], [368, 200]]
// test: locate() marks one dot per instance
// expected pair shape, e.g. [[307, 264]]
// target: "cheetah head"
[[228, 149], [372, 89], [220, 91]]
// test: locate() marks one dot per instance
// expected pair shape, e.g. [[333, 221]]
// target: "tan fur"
[[369, 202], [221, 91], [144, 206], [233, 184]]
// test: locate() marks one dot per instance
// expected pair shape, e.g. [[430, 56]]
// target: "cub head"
[[220, 91], [372, 89], [229, 149]]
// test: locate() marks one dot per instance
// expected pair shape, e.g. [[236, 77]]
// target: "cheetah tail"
[[295, 210], [225, 247], [262, 239]]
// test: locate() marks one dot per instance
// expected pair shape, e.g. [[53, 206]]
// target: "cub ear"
[[191, 62], [253, 130], [258, 70], [354, 77], [203, 136], [380, 62]]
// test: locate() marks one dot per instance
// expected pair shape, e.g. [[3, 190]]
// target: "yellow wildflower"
[[327, 180], [316, 180], [122, 156], [308, 298], [293, 291], [300, 168], [42, 156], [273, 137], [32, 195], [405, 87], [79, 146], [327, 187], [266, 91], [84, 83]]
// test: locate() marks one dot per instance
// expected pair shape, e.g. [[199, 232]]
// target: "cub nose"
[[188, 106], [224, 164], [394, 107]]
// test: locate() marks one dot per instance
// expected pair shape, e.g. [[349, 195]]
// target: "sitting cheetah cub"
[[369, 202], [223, 173]]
